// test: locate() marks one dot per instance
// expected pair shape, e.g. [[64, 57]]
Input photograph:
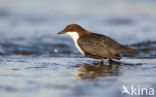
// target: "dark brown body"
[[100, 46]]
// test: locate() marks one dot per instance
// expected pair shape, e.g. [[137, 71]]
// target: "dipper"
[[94, 45]]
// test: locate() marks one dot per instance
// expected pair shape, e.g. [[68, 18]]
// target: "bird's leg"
[[110, 61], [102, 60]]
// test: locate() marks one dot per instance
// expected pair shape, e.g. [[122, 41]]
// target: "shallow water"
[[36, 62]]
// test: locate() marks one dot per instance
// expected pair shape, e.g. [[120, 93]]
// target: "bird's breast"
[[75, 37], [78, 47]]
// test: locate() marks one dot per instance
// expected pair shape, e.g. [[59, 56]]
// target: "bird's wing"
[[99, 45]]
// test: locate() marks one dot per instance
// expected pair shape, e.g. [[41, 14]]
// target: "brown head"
[[72, 28]]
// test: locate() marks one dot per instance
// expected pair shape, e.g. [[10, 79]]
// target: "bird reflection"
[[94, 70]]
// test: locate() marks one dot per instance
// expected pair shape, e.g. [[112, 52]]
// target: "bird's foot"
[[102, 61]]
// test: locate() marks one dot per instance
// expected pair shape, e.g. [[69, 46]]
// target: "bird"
[[93, 45]]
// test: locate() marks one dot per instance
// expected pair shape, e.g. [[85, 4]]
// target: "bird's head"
[[73, 30]]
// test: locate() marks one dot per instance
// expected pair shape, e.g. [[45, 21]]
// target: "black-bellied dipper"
[[94, 45]]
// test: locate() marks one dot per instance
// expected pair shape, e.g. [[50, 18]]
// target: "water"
[[35, 61]]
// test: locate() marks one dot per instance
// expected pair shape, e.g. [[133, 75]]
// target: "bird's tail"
[[129, 50]]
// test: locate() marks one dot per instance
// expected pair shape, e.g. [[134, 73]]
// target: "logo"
[[137, 90]]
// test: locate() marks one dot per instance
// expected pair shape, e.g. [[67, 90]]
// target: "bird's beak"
[[61, 32]]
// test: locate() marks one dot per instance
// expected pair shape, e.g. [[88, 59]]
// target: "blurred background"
[[127, 21], [22, 22], [34, 59]]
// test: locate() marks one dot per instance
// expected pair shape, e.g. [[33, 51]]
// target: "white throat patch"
[[75, 37]]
